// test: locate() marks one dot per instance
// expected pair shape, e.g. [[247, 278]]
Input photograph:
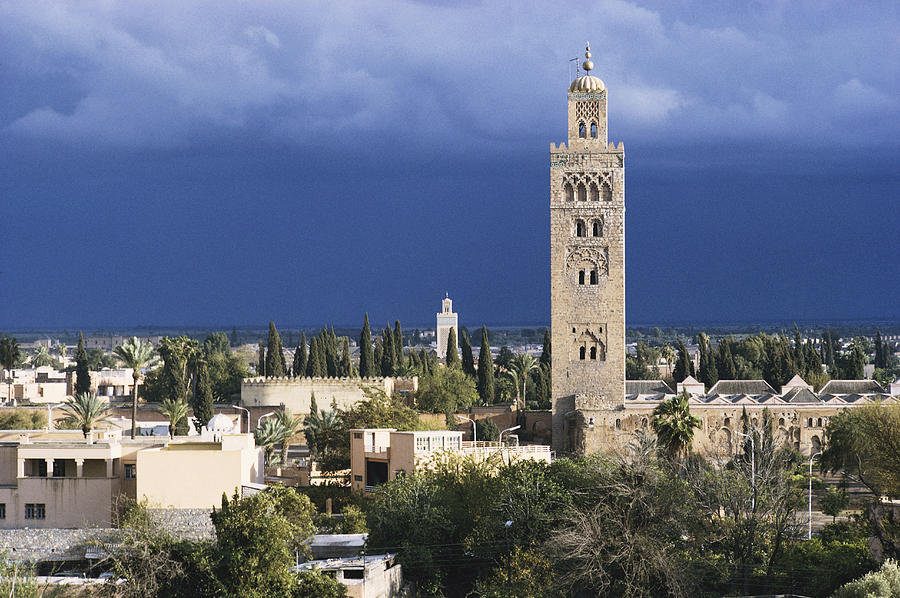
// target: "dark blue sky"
[[194, 163]]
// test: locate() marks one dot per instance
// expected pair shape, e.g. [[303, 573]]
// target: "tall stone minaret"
[[587, 269]]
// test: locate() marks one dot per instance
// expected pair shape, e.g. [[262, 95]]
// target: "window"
[[42, 468], [35, 511], [593, 352], [809, 422], [581, 352], [595, 193], [581, 130], [130, 471], [581, 192], [594, 130], [593, 277], [606, 192], [618, 424], [581, 277], [357, 478], [569, 192], [59, 468], [596, 231], [357, 435], [579, 228], [421, 443], [2, 510], [353, 573]]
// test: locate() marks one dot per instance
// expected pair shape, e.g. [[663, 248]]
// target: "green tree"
[[452, 356], [684, 366], [82, 373], [135, 354], [257, 537], [366, 355], [203, 399], [709, 374], [468, 359], [388, 357], [835, 502], [85, 411], [300, 358], [292, 425], [261, 359], [275, 364], [346, 367], [268, 433], [884, 583], [315, 584], [174, 410], [485, 370], [446, 390], [520, 367], [41, 357], [397, 337], [10, 356], [675, 425], [726, 367]]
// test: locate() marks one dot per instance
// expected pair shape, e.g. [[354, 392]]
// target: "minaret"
[[446, 320], [587, 269]]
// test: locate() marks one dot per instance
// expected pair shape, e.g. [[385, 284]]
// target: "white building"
[[446, 320]]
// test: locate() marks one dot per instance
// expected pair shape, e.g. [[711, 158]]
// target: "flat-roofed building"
[[378, 455]]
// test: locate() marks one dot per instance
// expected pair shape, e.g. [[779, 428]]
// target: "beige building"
[[378, 455], [587, 264], [60, 479], [446, 320], [799, 415], [295, 394], [33, 385]]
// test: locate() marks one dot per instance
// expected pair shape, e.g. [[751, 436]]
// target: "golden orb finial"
[[587, 65]]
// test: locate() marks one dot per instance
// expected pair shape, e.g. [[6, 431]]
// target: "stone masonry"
[[587, 268]]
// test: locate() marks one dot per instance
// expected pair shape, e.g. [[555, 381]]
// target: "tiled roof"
[[646, 387], [733, 387], [846, 387]]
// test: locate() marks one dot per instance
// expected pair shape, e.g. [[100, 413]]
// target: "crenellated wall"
[[296, 393]]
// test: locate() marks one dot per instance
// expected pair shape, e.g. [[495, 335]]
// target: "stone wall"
[[295, 393]]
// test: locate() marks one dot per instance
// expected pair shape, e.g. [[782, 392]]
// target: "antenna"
[[577, 68]]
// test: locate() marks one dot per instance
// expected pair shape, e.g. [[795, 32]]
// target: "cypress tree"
[[452, 358], [300, 357], [379, 357], [234, 337], [329, 354], [366, 356], [704, 373], [387, 352], [261, 360], [398, 345], [485, 370], [275, 365], [799, 352], [203, 395], [346, 368], [684, 367], [82, 373], [468, 360], [726, 367], [546, 358], [879, 355]]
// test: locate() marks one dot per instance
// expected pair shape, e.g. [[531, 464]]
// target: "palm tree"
[[520, 367], [292, 425], [41, 357], [10, 356], [135, 354], [268, 433], [319, 428], [674, 425], [85, 411], [174, 410], [668, 353]]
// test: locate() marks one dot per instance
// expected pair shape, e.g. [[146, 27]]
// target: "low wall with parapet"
[[296, 393]]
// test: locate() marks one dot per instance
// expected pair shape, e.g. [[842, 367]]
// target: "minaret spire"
[[587, 65]]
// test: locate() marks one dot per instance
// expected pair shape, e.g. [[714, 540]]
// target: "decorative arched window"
[[819, 423], [569, 192], [581, 192], [595, 192], [594, 130], [809, 422], [581, 352], [579, 228], [593, 352], [618, 424], [581, 277], [593, 277], [596, 227], [581, 130], [606, 192]]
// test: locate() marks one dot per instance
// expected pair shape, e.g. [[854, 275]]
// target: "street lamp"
[[811, 457], [264, 415], [504, 432], [50, 409], [474, 431], [241, 418], [752, 468]]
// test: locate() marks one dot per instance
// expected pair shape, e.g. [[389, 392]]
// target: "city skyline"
[[311, 175]]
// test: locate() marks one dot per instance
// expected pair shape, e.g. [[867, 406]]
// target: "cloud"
[[174, 74]]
